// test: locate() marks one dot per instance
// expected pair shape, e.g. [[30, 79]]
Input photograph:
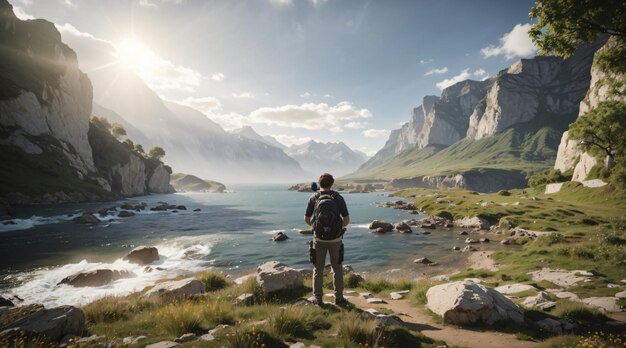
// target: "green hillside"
[[528, 147], [190, 183]]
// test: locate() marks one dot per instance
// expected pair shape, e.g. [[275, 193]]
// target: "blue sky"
[[334, 70]]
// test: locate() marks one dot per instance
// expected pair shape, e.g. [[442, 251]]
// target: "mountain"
[[509, 123], [248, 132], [193, 143], [190, 183], [317, 158], [50, 149]]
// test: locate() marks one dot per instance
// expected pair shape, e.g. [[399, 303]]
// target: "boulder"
[[505, 242], [379, 230], [561, 277], [163, 344], [133, 339], [471, 241], [143, 255], [53, 323], [306, 231], [467, 303], [472, 222], [279, 237], [428, 226], [550, 325], [403, 227], [188, 337], [245, 299], [162, 207], [541, 301], [468, 248], [125, 213], [5, 302], [181, 207], [422, 260], [273, 276], [385, 226], [375, 300], [127, 206], [176, 290], [197, 209], [509, 289], [455, 248], [96, 277], [606, 304], [464, 233], [86, 218], [484, 240]]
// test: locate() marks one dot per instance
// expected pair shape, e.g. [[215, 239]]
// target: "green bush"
[[356, 328], [352, 280], [298, 321], [179, 318], [504, 193], [213, 280]]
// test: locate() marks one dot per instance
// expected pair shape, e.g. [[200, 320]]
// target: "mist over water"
[[232, 232]]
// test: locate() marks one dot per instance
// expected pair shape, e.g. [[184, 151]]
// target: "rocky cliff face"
[[47, 148], [569, 156]]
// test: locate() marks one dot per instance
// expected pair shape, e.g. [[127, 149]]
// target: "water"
[[232, 232]]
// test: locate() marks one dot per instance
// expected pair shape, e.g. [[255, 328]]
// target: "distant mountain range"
[[487, 135]]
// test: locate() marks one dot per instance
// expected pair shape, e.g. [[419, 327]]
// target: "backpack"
[[327, 224]]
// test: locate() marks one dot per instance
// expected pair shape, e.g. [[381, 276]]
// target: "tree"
[[139, 149], [563, 25], [129, 143], [156, 152], [118, 131]]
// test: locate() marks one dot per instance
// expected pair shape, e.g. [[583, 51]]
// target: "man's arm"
[[307, 219], [346, 220]]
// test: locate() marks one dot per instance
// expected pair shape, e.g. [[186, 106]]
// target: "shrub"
[[212, 280], [251, 337], [179, 318], [504, 193], [218, 312], [298, 321], [548, 239], [108, 309], [352, 280]]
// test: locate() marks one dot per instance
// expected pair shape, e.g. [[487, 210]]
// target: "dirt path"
[[482, 260], [417, 320]]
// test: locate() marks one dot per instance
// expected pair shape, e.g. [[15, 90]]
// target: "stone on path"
[[466, 303], [273, 276], [375, 300], [509, 289], [395, 296]]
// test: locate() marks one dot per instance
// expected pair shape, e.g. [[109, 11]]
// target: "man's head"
[[326, 181]]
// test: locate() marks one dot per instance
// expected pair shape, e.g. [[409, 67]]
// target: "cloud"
[[356, 125], [464, 75], [218, 76], [69, 3], [376, 133], [310, 116], [229, 120], [437, 71], [204, 104], [281, 2], [426, 61], [479, 72], [289, 140], [516, 43], [152, 4], [306, 95], [243, 95], [327, 96], [316, 3], [21, 14]]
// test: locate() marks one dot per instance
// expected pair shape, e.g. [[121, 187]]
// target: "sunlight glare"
[[134, 55]]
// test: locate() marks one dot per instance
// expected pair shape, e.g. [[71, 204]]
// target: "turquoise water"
[[232, 232]]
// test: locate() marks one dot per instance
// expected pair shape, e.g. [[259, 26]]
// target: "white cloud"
[[327, 96], [310, 116], [69, 29], [281, 2], [464, 75], [21, 14], [437, 71], [206, 105], [69, 3], [426, 61], [316, 3], [230, 120], [306, 95], [516, 43], [219, 77], [243, 95], [356, 125], [289, 140], [479, 72], [376, 133]]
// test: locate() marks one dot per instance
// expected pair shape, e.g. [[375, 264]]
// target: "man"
[[328, 214]]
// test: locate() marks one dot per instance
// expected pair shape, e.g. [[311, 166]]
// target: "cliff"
[[49, 149]]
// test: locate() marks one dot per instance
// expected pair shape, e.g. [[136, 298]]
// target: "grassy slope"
[[187, 182], [529, 147], [590, 224]]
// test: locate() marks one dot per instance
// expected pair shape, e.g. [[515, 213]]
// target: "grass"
[[419, 289], [358, 329], [212, 280], [298, 321]]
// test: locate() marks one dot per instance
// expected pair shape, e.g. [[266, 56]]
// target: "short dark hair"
[[326, 180]]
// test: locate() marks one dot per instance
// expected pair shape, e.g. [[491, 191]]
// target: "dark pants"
[[334, 250]]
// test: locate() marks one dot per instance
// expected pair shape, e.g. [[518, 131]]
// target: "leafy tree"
[[118, 131], [129, 143], [563, 25], [603, 133], [156, 152], [101, 121], [139, 149]]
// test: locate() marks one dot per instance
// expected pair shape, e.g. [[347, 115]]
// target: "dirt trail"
[[417, 320]]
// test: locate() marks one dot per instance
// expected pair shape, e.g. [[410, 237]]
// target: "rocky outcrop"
[[176, 290], [472, 222], [273, 276], [467, 303], [94, 278], [53, 323], [191, 183], [143, 255]]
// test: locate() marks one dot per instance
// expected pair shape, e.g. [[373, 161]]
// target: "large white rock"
[[561, 277], [177, 289], [567, 154], [466, 303], [509, 289], [53, 323], [607, 304], [472, 222], [553, 188], [274, 276], [583, 167]]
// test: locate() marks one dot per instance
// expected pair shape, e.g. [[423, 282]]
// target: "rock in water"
[[5, 303], [385, 226], [96, 277], [143, 255], [403, 227], [125, 213], [86, 218], [274, 276], [279, 237], [176, 290], [467, 303], [472, 222], [52, 323]]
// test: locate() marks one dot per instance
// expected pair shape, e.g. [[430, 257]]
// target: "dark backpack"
[[327, 224]]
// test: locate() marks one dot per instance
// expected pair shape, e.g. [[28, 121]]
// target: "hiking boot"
[[317, 301], [341, 302]]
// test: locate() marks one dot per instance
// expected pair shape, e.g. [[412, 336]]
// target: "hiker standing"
[[328, 214]]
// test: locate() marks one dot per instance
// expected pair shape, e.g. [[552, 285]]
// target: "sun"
[[133, 54]]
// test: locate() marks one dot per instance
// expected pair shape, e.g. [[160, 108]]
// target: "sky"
[[327, 70]]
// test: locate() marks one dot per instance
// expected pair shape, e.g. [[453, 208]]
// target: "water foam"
[[179, 256]]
